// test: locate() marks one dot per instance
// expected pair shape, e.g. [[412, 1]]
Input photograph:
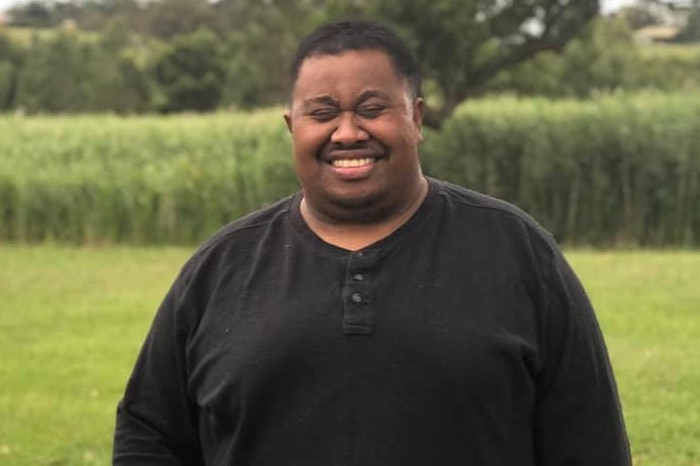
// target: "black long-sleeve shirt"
[[463, 338]]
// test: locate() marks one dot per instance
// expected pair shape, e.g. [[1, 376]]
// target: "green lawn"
[[72, 320]]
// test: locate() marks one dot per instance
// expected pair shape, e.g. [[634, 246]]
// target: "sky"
[[606, 5]]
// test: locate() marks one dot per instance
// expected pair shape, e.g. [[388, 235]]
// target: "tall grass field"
[[72, 320], [616, 170]]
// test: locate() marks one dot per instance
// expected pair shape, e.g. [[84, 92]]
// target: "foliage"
[[642, 13], [34, 14], [257, 57], [53, 78], [11, 58], [67, 74], [191, 73], [670, 67], [115, 36], [148, 57], [7, 84], [169, 18], [9, 49], [87, 15], [691, 30], [604, 58], [245, 84], [464, 44]]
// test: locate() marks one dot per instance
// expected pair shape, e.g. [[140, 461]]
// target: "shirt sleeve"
[[578, 418], [156, 421]]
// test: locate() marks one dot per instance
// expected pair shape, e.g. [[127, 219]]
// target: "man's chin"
[[362, 206]]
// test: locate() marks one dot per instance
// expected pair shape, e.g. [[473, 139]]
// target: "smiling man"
[[356, 125], [376, 318]]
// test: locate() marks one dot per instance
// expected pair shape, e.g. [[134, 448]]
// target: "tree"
[[116, 83], [246, 80], [67, 73], [115, 35], [96, 15], [691, 30], [36, 13], [262, 37], [191, 73], [168, 18], [7, 84], [54, 75], [640, 14], [463, 44], [11, 58], [603, 58]]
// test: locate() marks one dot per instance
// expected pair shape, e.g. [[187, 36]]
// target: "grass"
[[71, 324], [649, 307], [73, 319]]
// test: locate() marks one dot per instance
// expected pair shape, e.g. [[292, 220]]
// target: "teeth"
[[347, 163]]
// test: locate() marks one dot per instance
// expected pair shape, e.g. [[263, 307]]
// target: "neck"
[[358, 230]]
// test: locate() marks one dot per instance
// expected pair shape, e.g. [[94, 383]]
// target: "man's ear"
[[288, 119], [418, 110]]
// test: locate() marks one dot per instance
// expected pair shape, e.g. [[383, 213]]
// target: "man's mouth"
[[352, 163]]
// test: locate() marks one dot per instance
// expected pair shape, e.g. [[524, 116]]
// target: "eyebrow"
[[322, 99], [328, 100], [371, 94]]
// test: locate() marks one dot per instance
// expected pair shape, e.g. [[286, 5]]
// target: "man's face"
[[355, 131]]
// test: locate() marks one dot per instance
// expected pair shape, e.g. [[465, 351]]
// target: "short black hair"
[[340, 36]]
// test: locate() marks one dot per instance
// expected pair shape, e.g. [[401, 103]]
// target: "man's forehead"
[[346, 52], [367, 59], [366, 71]]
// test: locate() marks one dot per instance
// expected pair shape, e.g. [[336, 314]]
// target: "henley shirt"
[[463, 338]]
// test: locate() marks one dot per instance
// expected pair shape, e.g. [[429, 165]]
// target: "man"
[[377, 317]]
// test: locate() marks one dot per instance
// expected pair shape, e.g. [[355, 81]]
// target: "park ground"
[[72, 321]]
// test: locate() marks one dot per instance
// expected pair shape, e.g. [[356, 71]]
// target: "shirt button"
[[357, 297], [358, 277]]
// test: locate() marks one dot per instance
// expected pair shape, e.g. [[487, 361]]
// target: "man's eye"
[[324, 114], [371, 111]]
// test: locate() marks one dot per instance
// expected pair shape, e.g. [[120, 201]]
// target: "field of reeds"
[[614, 171], [104, 179], [618, 170]]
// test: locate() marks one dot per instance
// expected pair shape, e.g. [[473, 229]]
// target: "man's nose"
[[348, 130]]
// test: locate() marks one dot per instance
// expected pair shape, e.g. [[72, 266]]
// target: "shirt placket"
[[358, 311]]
